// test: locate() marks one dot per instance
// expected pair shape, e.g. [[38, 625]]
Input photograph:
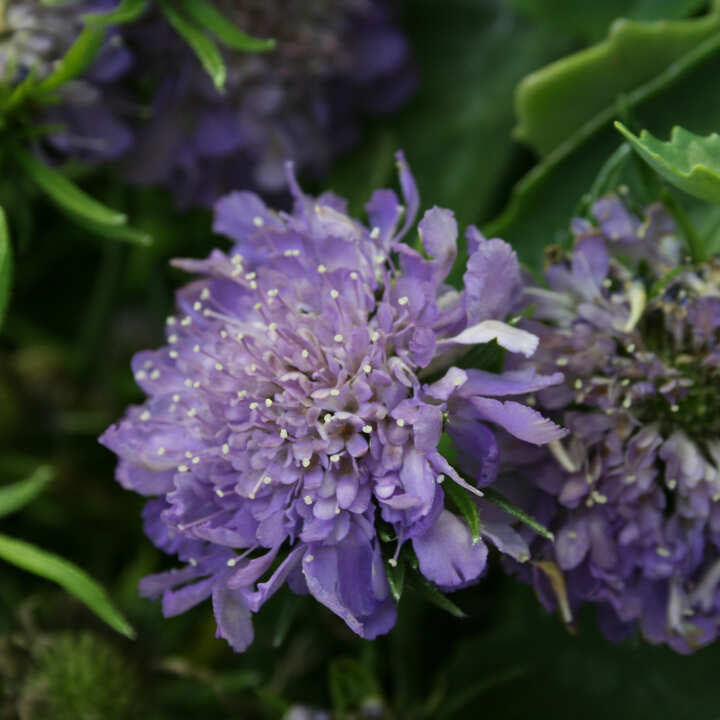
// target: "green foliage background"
[[81, 304]]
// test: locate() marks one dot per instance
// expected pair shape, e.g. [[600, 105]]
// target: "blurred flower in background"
[[289, 429], [34, 37], [633, 493], [303, 99]]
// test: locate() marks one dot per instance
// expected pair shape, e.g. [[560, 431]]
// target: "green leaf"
[[75, 61], [211, 19], [18, 494], [466, 507], [589, 19], [352, 685], [422, 585], [125, 12], [495, 497], [66, 194], [557, 101], [688, 161], [205, 49], [6, 265], [542, 203], [68, 576]]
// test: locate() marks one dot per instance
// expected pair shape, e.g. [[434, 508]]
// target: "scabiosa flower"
[[288, 415], [333, 61], [633, 494], [34, 37]]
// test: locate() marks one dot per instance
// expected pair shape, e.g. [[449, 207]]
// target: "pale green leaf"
[[68, 576], [16, 495], [688, 161], [555, 102], [215, 22], [203, 47]]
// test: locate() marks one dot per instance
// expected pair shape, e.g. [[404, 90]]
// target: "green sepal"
[[396, 578], [423, 586]]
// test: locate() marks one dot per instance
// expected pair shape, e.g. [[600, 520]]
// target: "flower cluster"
[[35, 36], [300, 401], [333, 60], [633, 494]]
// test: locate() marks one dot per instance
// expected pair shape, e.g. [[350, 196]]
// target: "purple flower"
[[633, 494], [35, 37], [333, 62], [290, 412]]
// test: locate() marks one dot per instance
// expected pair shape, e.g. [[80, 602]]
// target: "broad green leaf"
[[68, 576], [542, 203], [66, 194], [18, 494], [126, 11], [6, 265], [466, 507], [205, 49], [75, 61], [688, 161], [456, 128], [214, 21], [495, 497], [558, 100], [590, 19]]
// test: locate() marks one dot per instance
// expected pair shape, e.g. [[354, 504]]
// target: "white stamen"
[[140, 375], [197, 306], [187, 320], [173, 339], [258, 221], [321, 269], [334, 392], [440, 479], [161, 451], [305, 353], [254, 405], [334, 458], [205, 294], [309, 558], [375, 232], [273, 292], [306, 462], [334, 294], [225, 449], [219, 493], [183, 468], [338, 338], [403, 300], [196, 460], [145, 415], [367, 429], [327, 418], [374, 336], [218, 366], [353, 275], [400, 422], [268, 402], [283, 434], [242, 394], [308, 500], [173, 354], [192, 412], [367, 368], [171, 320], [250, 276]]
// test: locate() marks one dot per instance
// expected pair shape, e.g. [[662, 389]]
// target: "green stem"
[[502, 502]]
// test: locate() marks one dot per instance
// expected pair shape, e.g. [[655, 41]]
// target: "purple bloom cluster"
[[34, 37], [300, 401], [333, 61], [633, 494]]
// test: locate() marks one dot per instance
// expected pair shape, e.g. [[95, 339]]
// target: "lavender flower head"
[[333, 61], [633, 494], [34, 37], [288, 417]]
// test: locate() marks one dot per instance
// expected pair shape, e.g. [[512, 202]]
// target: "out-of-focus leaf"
[[456, 129], [542, 203], [75, 61], [352, 686], [203, 47], [589, 19], [428, 591], [214, 21], [495, 497], [6, 265], [126, 11], [466, 507], [688, 161], [18, 494], [68, 576], [557, 101], [82, 207]]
